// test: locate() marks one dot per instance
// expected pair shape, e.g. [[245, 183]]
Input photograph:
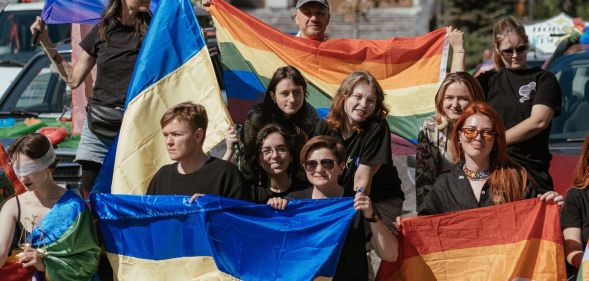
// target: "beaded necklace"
[[475, 176]]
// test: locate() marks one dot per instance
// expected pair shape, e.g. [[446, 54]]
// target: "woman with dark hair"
[[526, 98], [113, 46], [274, 164], [485, 175], [50, 224], [323, 158], [284, 104], [357, 120], [574, 216], [434, 156]]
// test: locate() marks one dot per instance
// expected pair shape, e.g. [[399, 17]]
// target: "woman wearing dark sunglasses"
[[323, 159], [574, 217], [485, 176], [526, 98], [275, 168]]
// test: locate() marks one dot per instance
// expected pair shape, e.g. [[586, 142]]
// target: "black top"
[[352, 264], [215, 177], [512, 93], [372, 146], [452, 192], [575, 212], [114, 62], [262, 193]]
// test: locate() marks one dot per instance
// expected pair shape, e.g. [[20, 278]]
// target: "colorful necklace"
[[475, 176]]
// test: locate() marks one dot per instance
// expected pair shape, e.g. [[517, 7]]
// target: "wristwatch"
[[374, 218]]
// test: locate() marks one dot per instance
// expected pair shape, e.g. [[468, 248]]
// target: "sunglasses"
[[518, 50], [472, 133], [311, 165]]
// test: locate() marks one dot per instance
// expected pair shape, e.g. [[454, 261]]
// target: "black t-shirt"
[[262, 193], [217, 177], [575, 212], [512, 93], [114, 62], [372, 146], [452, 192], [352, 264]]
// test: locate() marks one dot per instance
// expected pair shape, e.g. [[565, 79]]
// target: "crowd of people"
[[487, 143]]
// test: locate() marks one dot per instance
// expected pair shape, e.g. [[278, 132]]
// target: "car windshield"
[[15, 35], [572, 124]]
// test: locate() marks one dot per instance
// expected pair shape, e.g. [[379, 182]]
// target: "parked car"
[[569, 129], [15, 38]]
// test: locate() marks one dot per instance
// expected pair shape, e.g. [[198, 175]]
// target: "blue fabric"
[[247, 241], [58, 220], [77, 11], [243, 85]]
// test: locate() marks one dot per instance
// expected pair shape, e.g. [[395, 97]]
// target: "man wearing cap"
[[312, 17]]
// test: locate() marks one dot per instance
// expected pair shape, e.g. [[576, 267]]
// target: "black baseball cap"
[[300, 3]]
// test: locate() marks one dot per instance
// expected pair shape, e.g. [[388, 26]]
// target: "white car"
[[15, 38]]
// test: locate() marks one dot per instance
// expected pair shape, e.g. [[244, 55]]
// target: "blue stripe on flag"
[[243, 85], [77, 11]]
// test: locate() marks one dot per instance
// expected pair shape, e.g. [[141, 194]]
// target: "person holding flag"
[[52, 225], [112, 45]]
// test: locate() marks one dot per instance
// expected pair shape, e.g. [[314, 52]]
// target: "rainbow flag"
[[166, 238], [514, 241], [409, 69], [583, 273], [173, 66]]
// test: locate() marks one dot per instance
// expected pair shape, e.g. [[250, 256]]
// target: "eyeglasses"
[[472, 133], [281, 150], [518, 50], [311, 165]]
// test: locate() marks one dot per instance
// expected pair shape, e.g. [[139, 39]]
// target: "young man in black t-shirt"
[[194, 172]]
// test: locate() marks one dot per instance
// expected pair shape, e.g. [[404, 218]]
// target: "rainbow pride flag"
[[409, 69], [583, 273], [166, 238], [514, 241], [173, 66]]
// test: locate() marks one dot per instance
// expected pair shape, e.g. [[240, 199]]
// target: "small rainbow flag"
[[409, 69], [514, 241], [583, 273]]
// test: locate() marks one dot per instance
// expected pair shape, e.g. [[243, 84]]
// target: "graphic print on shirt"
[[526, 92]]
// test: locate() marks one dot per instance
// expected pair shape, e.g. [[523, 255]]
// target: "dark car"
[[569, 129]]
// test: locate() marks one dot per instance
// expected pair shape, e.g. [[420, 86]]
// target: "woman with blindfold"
[[323, 159], [51, 225], [526, 98], [485, 175]]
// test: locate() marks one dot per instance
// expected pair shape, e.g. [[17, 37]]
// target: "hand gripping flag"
[[513, 241], [408, 69]]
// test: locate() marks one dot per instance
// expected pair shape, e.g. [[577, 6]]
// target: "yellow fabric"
[[529, 259], [141, 149]]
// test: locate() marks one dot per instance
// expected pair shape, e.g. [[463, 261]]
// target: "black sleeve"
[[571, 214], [153, 184], [91, 42], [234, 186], [320, 129], [376, 147], [485, 81], [548, 92], [432, 203]]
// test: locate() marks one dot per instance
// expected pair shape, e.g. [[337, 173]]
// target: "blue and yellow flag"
[[214, 238]]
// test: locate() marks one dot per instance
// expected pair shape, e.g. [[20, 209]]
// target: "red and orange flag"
[[514, 241]]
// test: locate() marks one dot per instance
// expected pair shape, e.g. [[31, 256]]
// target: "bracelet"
[[374, 218], [460, 52]]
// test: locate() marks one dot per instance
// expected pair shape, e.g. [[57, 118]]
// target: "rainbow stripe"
[[583, 273], [215, 238], [409, 69], [515, 241]]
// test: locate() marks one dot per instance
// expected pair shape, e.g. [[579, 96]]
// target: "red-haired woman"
[[574, 217], [485, 175], [357, 120]]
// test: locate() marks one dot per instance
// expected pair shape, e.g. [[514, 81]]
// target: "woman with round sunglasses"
[[574, 216], [51, 225], [357, 120], [323, 158], [485, 175], [284, 104], [434, 155], [275, 165], [526, 98]]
